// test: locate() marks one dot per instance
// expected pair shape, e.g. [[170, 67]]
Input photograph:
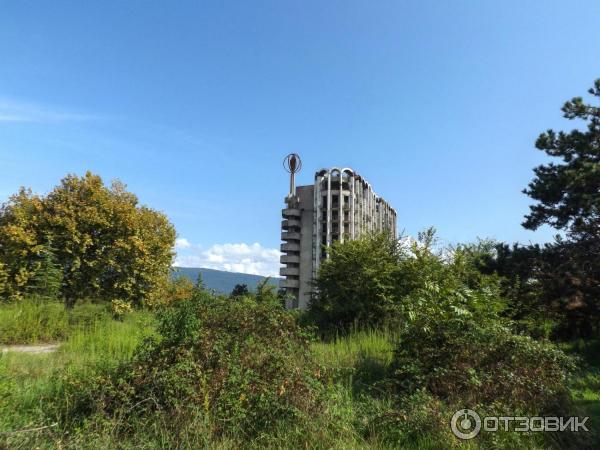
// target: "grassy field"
[[30, 383], [92, 342], [586, 385]]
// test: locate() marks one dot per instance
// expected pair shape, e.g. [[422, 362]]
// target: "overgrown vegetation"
[[237, 367], [212, 372], [399, 335]]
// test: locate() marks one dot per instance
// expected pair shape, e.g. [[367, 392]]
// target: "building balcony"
[[289, 283], [290, 223], [290, 235], [290, 212], [291, 259], [285, 271], [290, 247]]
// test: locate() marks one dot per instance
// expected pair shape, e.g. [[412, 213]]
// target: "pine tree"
[[568, 191], [239, 290], [199, 286], [47, 278]]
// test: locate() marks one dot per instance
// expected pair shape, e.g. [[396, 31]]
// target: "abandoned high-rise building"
[[340, 205]]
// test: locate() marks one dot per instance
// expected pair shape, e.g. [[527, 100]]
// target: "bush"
[[474, 365], [368, 282], [357, 283], [239, 368]]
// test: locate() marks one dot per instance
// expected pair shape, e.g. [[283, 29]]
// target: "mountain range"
[[220, 280]]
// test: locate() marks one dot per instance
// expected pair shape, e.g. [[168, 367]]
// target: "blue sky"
[[194, 104]]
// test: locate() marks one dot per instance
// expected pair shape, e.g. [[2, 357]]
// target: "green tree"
[[21, 240], [3, 279], [199, 286], [47, 279], [568, 192], [106, 244], [239, 290], [178, 288], [357, 283]]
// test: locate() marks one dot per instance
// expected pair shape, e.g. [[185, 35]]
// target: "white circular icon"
[[465, 424]]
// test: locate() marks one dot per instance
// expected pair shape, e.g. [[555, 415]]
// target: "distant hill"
[[221, 281]]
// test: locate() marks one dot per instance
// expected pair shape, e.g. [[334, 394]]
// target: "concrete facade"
[[340, 205]]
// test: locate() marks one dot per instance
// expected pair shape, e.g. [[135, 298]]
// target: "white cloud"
[[182, 243], [19, 111], [254, 258]]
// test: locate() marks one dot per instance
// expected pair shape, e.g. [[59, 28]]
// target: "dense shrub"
[[465, 362], [357, 284], [374, 281], [238, 367], [454, 343]]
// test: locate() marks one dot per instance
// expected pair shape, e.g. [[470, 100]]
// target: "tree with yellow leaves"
[[106, 244]]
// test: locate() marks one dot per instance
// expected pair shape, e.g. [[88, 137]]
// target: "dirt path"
[[31, 349]]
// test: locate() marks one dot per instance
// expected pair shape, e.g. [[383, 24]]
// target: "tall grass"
[[357, 360], [33, 320], [36, 320], [348, 350], [106, 342], [31, 384]]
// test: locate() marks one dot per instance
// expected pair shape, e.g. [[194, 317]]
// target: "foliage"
[[239, 290], [3, 279], [551, 289], [357, 283], [42, 320], [356, 412], [119, 308], [454, 343], [199, 285], [241, 366], [106, 245], [21, 240], [267, 293], [463, 360], [33, 389], [568, 194], [176, 289], [47, 277], [370, 281]]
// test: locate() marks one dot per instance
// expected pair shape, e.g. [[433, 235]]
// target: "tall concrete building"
[[339, 206]]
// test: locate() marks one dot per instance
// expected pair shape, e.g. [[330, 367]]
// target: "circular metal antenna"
[[292, 163]]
